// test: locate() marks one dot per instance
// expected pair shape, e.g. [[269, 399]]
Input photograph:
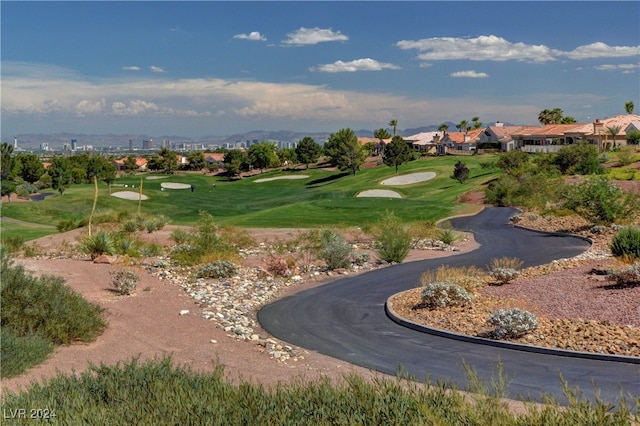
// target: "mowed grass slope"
[[324, 198]]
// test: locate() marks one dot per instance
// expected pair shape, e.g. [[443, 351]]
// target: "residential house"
[[214, 159], [460, 142], [140, 162], [547, 138], [425, 141], [499, 133], [378, 144]]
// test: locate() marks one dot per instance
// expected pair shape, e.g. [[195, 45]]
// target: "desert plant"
[[626, 243], [17, 354], [67, 225], [627, 277], [277, 266], [467, 277], [100, 243], [124, 281], [392, 238], [217, 269], [334, 249], [505, 269], [512, 323], [360, 258], [180, 236], [441, 294], [13, 243], [601, 201], [447, 235]]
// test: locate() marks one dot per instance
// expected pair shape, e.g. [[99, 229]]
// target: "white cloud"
[[253, 36], [306, 36], [366, 64], [131, 68], [134, 107], [86, 106], [469, 74], [482, 48], [625, 68], [602, 50], [154, 68]]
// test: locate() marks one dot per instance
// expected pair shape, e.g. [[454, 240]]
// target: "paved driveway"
[[346, 320]]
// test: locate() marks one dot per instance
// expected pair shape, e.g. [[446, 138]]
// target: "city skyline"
[[220, 68]]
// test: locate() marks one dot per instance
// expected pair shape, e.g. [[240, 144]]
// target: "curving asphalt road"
[[346, 319]]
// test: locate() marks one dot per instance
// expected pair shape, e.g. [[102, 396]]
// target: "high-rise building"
[[147, 144], [74, 144]]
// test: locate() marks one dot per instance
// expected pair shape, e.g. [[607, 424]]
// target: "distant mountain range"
[[113, 141]]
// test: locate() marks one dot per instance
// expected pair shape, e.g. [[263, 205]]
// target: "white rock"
[[184, 312]]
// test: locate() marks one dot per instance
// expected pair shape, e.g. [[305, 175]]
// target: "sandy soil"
[[149, 325]]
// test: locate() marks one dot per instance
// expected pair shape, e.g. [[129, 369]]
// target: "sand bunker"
[[130, 195], [281, 177], [409, 179], [171, 185], [384, 193]]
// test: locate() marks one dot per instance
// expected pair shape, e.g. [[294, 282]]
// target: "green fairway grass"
[[324, 198]]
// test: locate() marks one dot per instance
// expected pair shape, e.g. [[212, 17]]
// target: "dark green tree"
[[234, 162], [168, 160], [513, 162], [344, 150], [633, 137], [308, 151], [396, 153], [60, 172], [580, 158], [287, 156], [460, 172], [380, 134], [130, 164], [29, 167], [7, 170], [628, 107], [550, 116], [263, 155], [195, 160]]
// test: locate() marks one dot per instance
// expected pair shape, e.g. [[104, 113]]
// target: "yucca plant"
[[100, 243]]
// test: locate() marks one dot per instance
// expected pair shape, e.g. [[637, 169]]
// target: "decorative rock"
[[184, 312]]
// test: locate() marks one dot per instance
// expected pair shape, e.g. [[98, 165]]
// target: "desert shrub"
[[155, 223], [100, 243], [217, 269], [334, 249], [46, 306], [180, 236], [186, 254], [277, 266], [626, 156], [393, 241], [150, 250], [67, 225], [126, 246], [360, 258], [626, 243], [447, 235], [17, 354], [580, 158], [102, 216], [441, 294], [24, 190], [130, 225], [505, 269], [627, 277], [601, 201], [512, 323], [467, 277], [13, 243], [124, 281], [236, 237]]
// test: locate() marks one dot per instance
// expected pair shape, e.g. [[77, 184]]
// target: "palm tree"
[[443, 128], [550, 116], [613, 131], [394, 123], [628, 106], [380, 134], [462, 126], [476, 122]]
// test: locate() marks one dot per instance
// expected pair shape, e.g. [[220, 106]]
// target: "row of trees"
[[26, 171]]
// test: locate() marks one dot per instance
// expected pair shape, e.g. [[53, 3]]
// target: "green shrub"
[[100, 243], [393, 240], [505, 269], [580, 158], [360, 258], [334, 249], [218, 269], [600, 201], [47, 307], [124, 281], [447, 235], [130, 226], [13, 243], [180, 236], [512, 323], [442, 294], [626, 243], [18, 354], [126, 246], [67, 225]]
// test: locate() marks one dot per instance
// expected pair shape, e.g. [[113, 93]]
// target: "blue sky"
[[218, 68]]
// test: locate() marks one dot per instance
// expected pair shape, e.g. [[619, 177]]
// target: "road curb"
[[502, 344]]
